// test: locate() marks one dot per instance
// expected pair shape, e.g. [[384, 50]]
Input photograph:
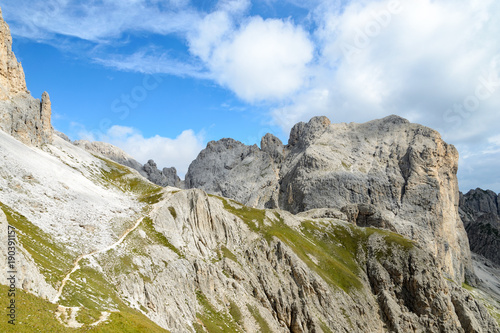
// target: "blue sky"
[[161, 78]]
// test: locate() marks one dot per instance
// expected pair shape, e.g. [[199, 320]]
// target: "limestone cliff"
[[12, 80], [480, 212], [386, 173], [25, 118]]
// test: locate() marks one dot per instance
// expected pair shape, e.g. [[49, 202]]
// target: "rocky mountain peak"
[[405, 173], [481, 201], [23, 117], [12, 81], [304, 133]]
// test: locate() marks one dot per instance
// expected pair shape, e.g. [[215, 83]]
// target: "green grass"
[[35, 314], [468, 287], [172, 212], [264, 326], [254, 218], [90, 289], [235, 312], [121, 177], [325, 328], [334, 247], [214, 321], [158, 237], [53, 260], [228, 254]]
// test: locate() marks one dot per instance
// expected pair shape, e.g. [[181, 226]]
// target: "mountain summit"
[[21, 116], [347, 228]]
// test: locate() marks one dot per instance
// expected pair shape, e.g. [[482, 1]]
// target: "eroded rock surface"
[[480, 213], [385, 173], [25, 118]]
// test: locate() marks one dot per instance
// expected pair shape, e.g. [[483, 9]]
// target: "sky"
[[161, 78]]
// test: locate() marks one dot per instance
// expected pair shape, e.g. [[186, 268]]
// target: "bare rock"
[[165, 177], [12, 81], [25, 118], [274, 147], [479, 210], [401, 175], [109, 151], [231, 169]]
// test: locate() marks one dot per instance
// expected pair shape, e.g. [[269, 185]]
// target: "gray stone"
[[166, 177], [21, 116], [404, 172], [479, 213], [231, 169]]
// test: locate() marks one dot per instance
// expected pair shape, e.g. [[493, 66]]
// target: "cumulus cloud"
[[166, 152], [260, 60], [401, 57]]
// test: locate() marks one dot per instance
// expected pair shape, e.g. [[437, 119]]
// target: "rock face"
[[166, 177], [25, 118], [478, 202], [480, 213], [405, 171], [225, 258], [231, 169], [12, 81]]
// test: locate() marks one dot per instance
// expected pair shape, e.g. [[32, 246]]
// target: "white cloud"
[[166, 152], [260, 60], [434, 62], [377, 59], [151, 62], [99, 20]]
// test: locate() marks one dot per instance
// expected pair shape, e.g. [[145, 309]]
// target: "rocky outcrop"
[[165, 177], [386, 173], [25, 118], [109, 151], [231, 169], [384, 283], [479, 210], [477, 202], [12, 81]]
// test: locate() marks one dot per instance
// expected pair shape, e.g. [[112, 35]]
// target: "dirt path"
[[83, 256]]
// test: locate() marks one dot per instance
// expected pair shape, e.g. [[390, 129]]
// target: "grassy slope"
[[87, 288], [35, 314], [334, 247]]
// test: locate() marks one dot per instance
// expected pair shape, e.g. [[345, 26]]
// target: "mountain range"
[[345, 228]]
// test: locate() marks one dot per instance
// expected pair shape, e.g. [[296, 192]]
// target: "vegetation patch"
[[235, 312], [325, 328], [228, 254], [213, 321], [122, 178], [264, 326], [36, 314], [52, 259], [158, 237], [253, 218], [172, 212], [335, 247]]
